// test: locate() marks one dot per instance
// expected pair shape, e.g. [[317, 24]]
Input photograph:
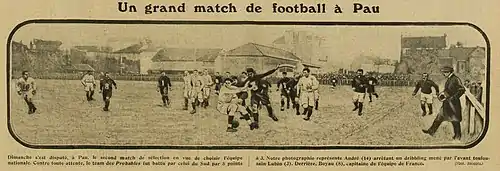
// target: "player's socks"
[[316, 104], [163, 100], [87, 94], [430, 108], [356, 106], [270, 112], [282, 105], [370, 96], [360, 112], [91, 95], [305, 111], [376, 95], [309, 113], [185, 103], [297, 108], [422, 106], [194, 108]]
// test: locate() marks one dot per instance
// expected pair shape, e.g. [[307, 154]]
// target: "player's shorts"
[[230, 108], [259, 99], [360, 97], [27, 94], [285, 94], [426, 98], [164, 91], [293, 94], [371, 89], [217, 86], [186, 93], [89, 87], [206, 92], [307, 99], [196, 95], [106, 94]]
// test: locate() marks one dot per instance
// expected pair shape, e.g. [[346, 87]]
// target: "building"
[[136, 58], [310, 48], [422, 54], [80, 54], [178, 60], [260, 57], [45, 45]]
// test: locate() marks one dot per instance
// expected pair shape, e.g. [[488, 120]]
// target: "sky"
[[344, 42]]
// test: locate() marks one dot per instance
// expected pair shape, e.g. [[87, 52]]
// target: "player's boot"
[[253, 126], [231, 129]]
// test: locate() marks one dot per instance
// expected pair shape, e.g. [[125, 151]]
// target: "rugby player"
[[306, 87], [372, 82], [186, 88], [196, 94], [359, 84], [292, 91], [218, 82], [88, 82], [106, 88], [207, 82], [230, 104], [285, 91], [164, 86], [256, 96], [425, 86], [26, 88]]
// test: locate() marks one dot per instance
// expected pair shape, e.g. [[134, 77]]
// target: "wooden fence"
[[474, 115]]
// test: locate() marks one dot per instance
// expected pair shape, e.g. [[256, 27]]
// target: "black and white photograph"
[[247, 85]]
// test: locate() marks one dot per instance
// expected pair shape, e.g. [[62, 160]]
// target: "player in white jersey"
[[207, 82], [229, 104], [89, 84], [196, 94], [27, 89], [306, 87], [186, 88]]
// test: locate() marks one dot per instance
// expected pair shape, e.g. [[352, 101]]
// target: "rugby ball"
[[235, 124]]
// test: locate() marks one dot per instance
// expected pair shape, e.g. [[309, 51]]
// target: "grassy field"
[[64, 117]]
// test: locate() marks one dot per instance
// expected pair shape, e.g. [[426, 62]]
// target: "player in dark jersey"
[[164, 86], [291, 86], [359, 84], [256, 95], [425, 86], [106, 88], [285, 92], [372, 82], [218, 82]]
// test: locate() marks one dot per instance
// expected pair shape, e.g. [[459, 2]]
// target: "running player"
[[218, 82], [334, 81], [359, 84], [207, 82], [285, 92], [372, 82], [196, 94], [164, 86], [187, 89], [256, 97], [88, 82], [230, 104], [425, 86], [27, 89], [292, 91], [307, 85], [106, 87]]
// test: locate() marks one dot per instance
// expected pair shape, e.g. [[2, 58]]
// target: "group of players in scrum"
[[301, 90]]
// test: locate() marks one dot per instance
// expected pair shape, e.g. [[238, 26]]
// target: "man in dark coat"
[[451, 110]]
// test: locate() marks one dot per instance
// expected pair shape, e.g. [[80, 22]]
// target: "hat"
[[250, 70], [447, 69]]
